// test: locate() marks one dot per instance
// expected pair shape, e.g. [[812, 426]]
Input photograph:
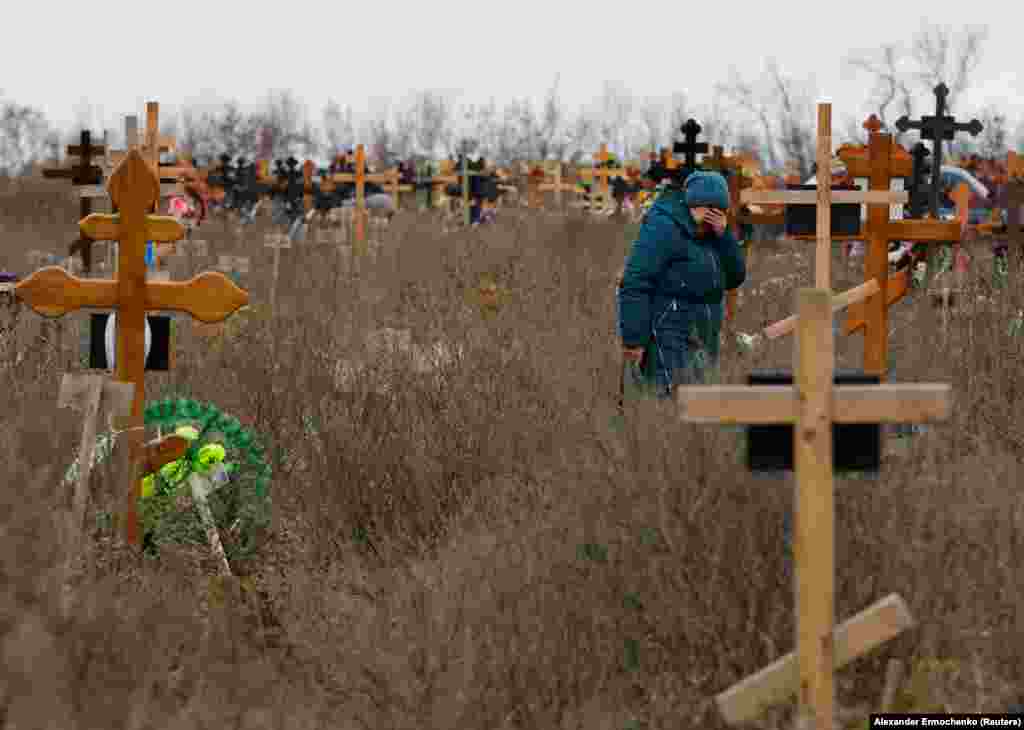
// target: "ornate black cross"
[[691, 146], [937, 128], [918, 194]]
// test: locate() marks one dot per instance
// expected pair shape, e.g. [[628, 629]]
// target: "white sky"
[[365, 54]]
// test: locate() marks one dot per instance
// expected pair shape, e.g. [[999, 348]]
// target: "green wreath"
[[240, 508]]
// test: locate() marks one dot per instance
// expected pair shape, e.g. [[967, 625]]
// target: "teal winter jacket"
[[669, 262]]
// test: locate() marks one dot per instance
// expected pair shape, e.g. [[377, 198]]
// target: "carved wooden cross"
[[824, 197], [209, 297], [691, 147], [880, 162], [938, 128], [813, 404]]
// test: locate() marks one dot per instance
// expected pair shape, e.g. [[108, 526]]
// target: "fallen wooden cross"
[[813, 405]]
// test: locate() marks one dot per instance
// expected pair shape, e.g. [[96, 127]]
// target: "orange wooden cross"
[[557, 186], [360, 178], [730, 167], [209, 297], [604, 174], [881, 161]]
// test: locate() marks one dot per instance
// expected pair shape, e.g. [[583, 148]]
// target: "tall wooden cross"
[[824, 196], [813, 404], [937, 128], [880, 162], [731, 168], [209, 297], [81, 174]]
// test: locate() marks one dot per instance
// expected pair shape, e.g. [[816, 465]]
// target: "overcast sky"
[[365, 54]]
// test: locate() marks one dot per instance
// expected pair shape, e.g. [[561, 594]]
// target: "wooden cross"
[[210, 297], [360, 178], [813, 404], [604, 174], [880, 162], [558, 187], [730, 167], [938, 128], [83, 173], [691, 147], [824, 196], [151, 147]]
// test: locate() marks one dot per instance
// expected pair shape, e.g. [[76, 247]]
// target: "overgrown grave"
[[209, 297], [812, 404], [808, 399]]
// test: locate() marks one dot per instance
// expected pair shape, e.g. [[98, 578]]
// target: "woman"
[[673, 285]]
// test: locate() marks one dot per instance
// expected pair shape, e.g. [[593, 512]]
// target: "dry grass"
[[524, 564]]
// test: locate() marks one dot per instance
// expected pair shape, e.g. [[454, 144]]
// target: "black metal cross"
[[916, 190], [937, 128], [691, 147]]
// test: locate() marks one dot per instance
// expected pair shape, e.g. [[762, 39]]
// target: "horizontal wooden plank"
[[106, 227], [209, 297], [923, 230], [100, 191], [765, 404], [839, 302], [778, 682], [810, 197]]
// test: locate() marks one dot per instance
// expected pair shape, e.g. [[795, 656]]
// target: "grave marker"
[[813, 404], [824, 196], [210, 297], [81, 174]]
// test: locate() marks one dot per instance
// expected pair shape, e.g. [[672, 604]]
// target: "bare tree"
[[581, 137], [434, 124], [717, 127], [937, 62], [891, 84], [550, 137], [339, 132], [616, 108], [25, 138], [285, 117], [796, 114], [743, 94], [653, 117], [677, 115], [994, 140]]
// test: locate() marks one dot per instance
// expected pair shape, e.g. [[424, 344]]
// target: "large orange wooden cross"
[[881, 161], [209, 297]]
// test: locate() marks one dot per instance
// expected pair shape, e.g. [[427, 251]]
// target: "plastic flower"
[[173, 472]]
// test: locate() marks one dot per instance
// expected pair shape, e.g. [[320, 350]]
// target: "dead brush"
[[482, 550]]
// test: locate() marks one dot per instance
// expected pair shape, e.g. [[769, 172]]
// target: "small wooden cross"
[[938, 128], [813, 404], [210, 297], [557, 186], [360, 178]]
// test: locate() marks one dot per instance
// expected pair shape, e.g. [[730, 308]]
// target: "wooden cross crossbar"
[[813, 404], [209, 297], [462, 179], [360, 178], [152, 145]]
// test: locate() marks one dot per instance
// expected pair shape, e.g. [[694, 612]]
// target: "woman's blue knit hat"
[[707, 189]]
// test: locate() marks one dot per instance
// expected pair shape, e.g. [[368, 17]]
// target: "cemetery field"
[[461, 537]]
